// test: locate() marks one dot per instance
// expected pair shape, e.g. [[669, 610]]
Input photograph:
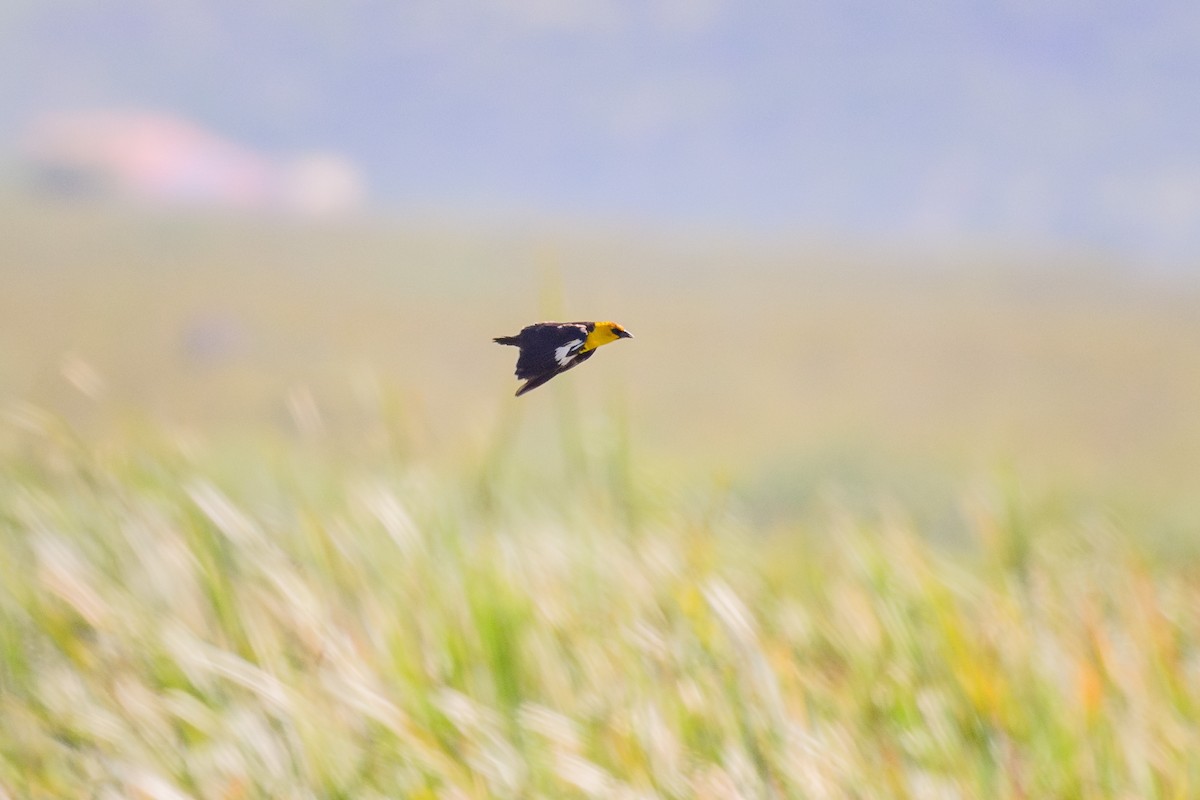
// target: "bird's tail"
[[513, 340]]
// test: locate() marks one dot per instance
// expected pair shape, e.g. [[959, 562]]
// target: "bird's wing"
[[537, 380], [549, 346]]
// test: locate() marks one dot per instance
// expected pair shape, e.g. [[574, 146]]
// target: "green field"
[[835, 524]]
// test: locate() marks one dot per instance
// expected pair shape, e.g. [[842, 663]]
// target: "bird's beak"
[[624, 335]]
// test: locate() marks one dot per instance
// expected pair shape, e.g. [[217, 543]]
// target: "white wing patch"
[[563, 354]]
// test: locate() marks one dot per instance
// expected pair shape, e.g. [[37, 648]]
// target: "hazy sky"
[[1025, 121]]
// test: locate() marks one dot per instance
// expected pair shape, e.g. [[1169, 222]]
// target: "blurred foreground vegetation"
[[180, 618], [271, 524]]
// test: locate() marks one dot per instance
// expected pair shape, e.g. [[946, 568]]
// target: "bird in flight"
[[551, 348]]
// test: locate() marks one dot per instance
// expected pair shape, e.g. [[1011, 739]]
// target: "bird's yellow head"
[[605, 332]]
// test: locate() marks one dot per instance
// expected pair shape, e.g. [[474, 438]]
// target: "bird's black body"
[[539, 343], [551, 348]]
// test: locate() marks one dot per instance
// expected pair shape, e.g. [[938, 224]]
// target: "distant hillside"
[[1028, 123]]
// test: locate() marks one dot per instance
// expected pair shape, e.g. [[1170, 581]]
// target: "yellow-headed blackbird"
[[551, 348]]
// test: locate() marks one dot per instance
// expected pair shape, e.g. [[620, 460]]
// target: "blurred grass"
[[184, 618], [954, 363], [272, 526]]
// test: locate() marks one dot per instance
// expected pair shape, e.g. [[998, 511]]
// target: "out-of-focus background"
[[878, 258], [843, 233]]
